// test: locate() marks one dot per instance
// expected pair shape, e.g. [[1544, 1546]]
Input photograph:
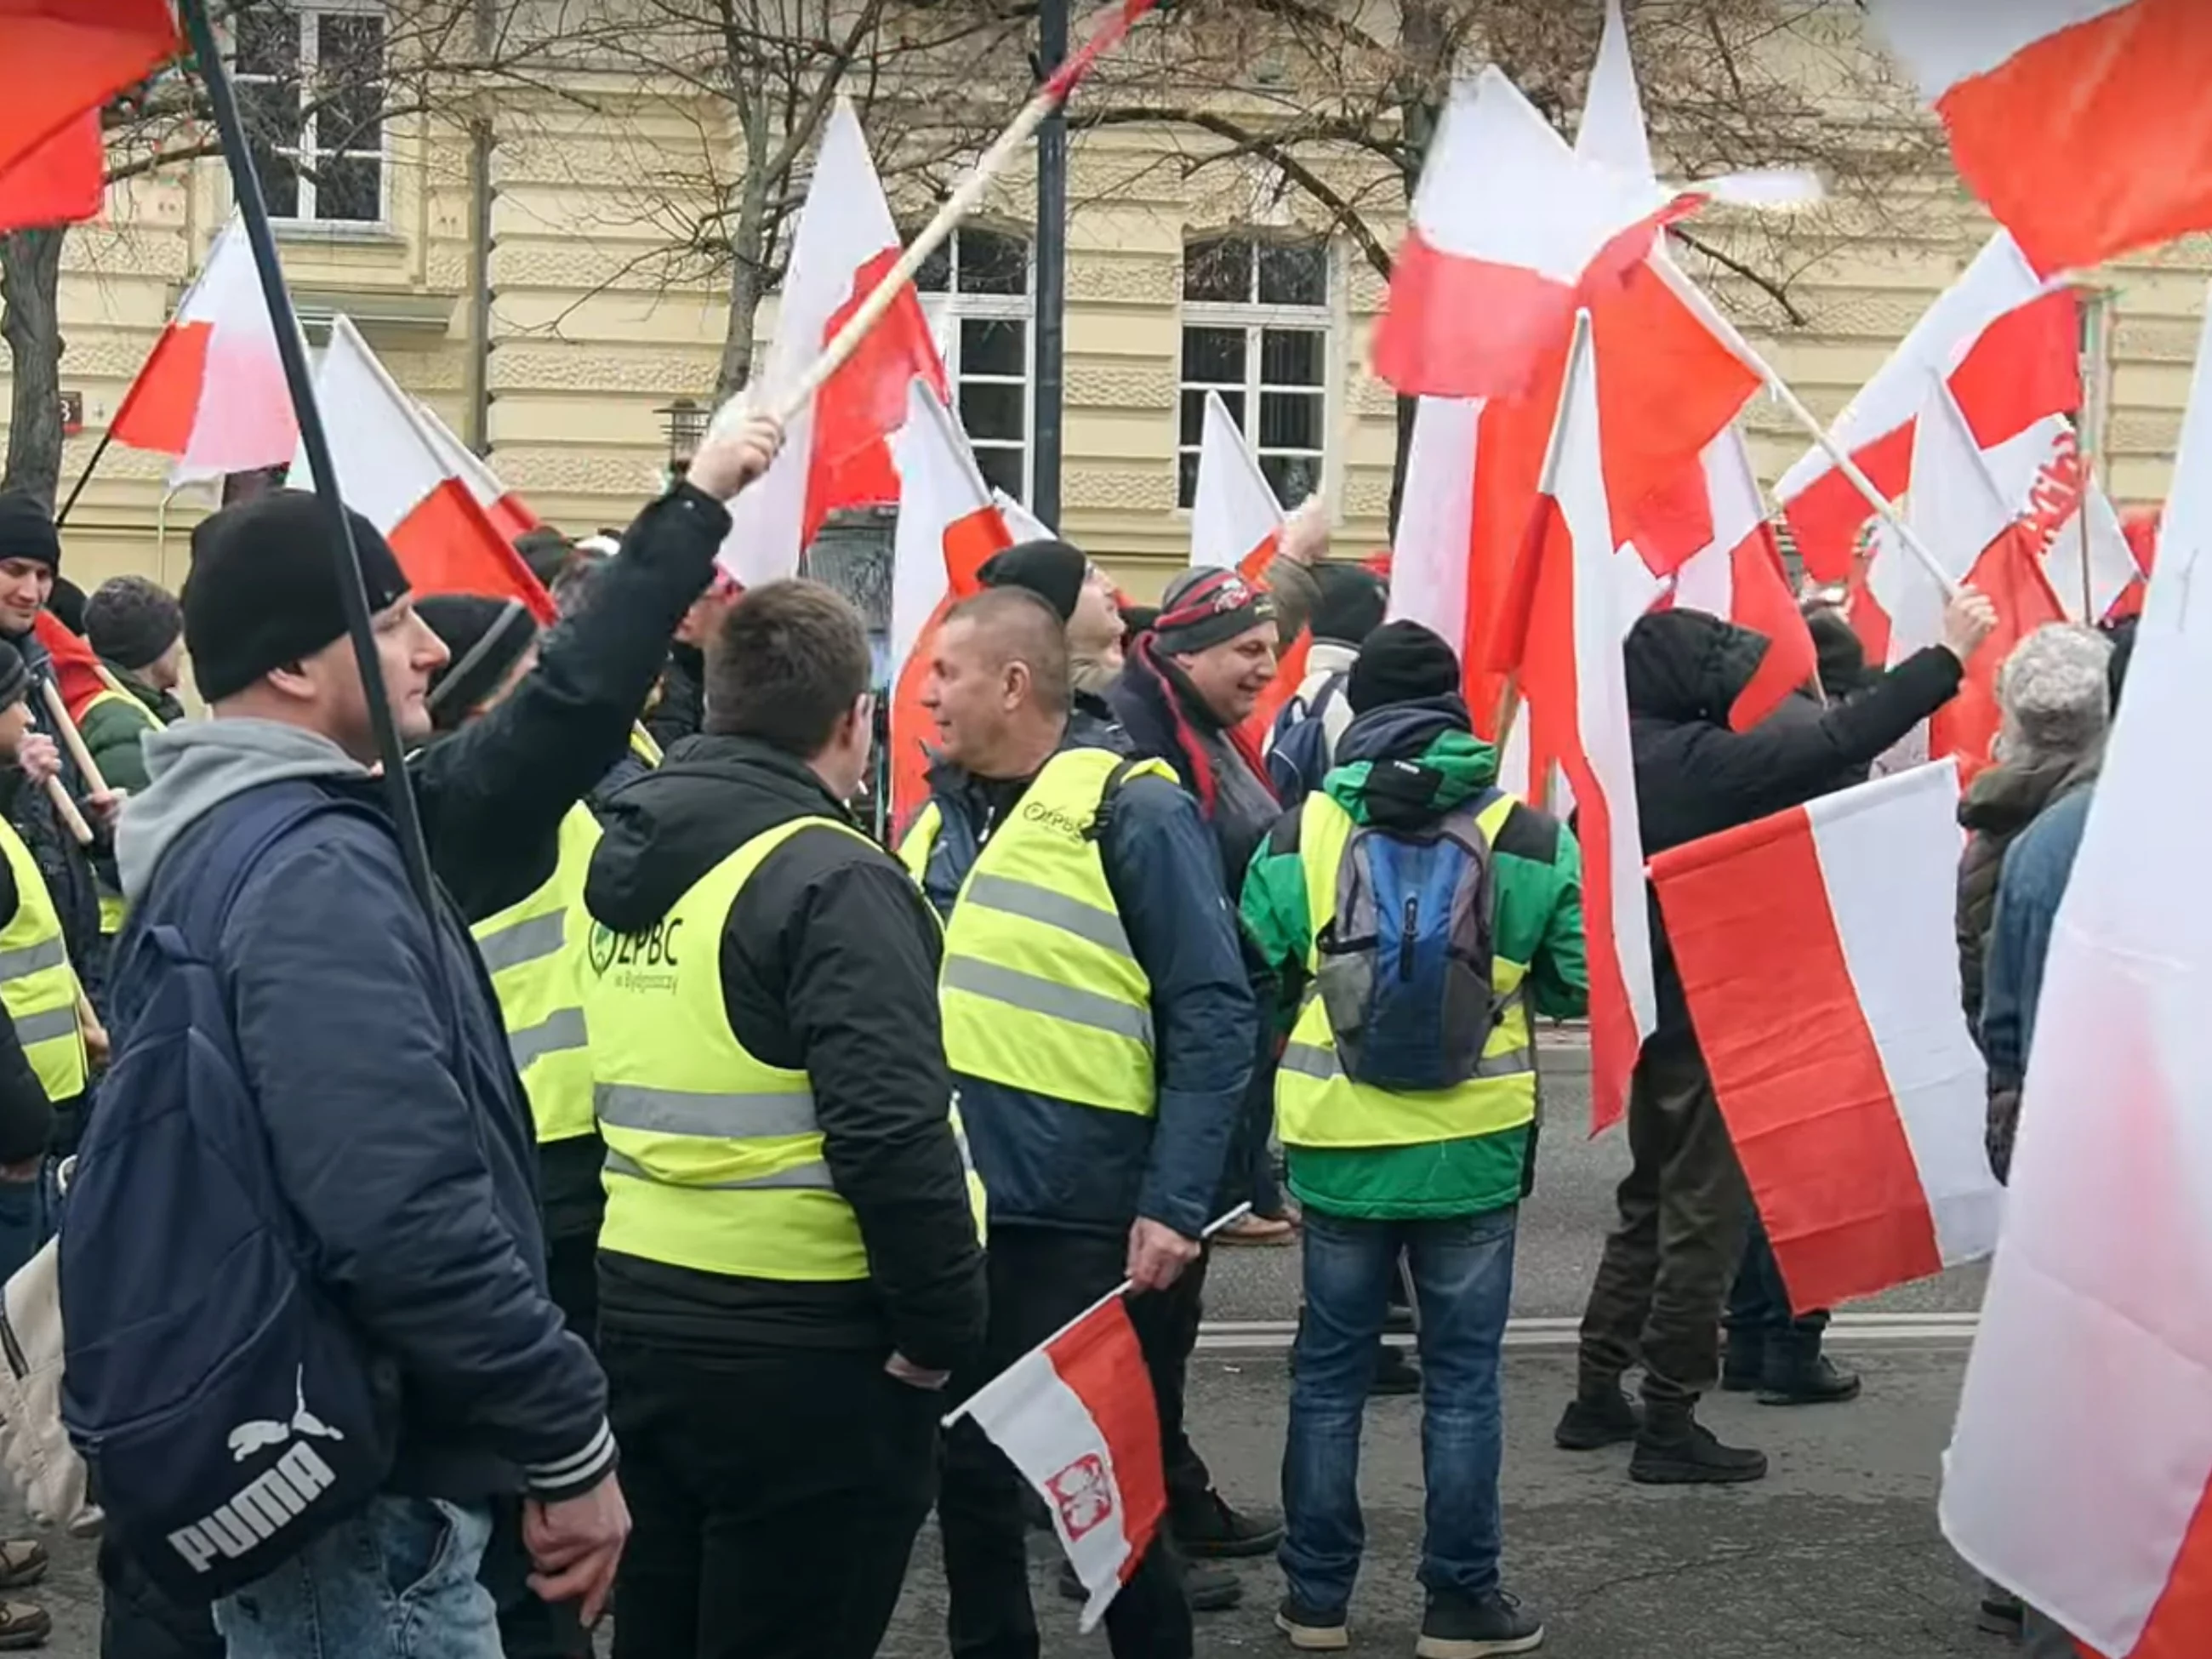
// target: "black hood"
[[1685, 667], [710, 796]]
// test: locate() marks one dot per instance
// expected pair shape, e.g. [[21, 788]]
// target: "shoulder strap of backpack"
[[1123, 770]]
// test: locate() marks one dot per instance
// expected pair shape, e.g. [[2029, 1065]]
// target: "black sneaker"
[[1594, 1421], [1211, 1531], [1743, 1363], [1820, 1382], [1674, 1449], [1208, 1590], [1394, 1373], [1455, 1628], [2001, 1615], [1310, 1630]]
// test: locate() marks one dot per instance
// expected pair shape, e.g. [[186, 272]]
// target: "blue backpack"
[[1297, 743], [227, 1411], [1404, 966]]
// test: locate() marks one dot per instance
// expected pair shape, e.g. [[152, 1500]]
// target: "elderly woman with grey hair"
[[2056, 704]]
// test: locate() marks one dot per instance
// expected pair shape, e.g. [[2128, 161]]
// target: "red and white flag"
[[1562, 631], [1077, 1417], [1739, 576], [509, 514], [1022, 525], [64, 57], [2068, 518], [836, 451], [2083, 124], [2079, 1474], [212, 391], [948, 528], [1429, 556], [2009, 346], [1236, 522], [1819, 958], [61, 181], [391, 473]]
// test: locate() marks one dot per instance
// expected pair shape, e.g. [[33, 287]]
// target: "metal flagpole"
[[84, 478], [254, 210]]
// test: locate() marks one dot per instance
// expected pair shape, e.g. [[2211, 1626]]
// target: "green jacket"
[[111, 729], [1537, 877]]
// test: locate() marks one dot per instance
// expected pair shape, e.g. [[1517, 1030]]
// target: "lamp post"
[[1048, 388], [684, 421]]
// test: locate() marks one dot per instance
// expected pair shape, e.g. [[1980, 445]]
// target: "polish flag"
[[1022, 525], [2010, 349], [212, 392], [2079, 1474], [1510, 227], [2068, 518], [2009, 572], [1739, 576], [389, 472], [1956, 511], [1076, 1416], [1820, 960], [1429, 556], [507, 512], [77, 673], [2081, 123], [1236, 522], [61, 181], [66, 57], [836, 451], [1563, 628], [948, 528]]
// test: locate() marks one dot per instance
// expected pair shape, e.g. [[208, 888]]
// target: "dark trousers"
[[530, 1628], [1172, 1317], [1758, 1318], [572, 1272], [1667, 1265], [1040, 1278], [773, 1500]]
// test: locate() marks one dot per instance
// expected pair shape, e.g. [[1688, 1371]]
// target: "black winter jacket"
[[67, 866], [829, 964], [677, 712], [1695, 777]]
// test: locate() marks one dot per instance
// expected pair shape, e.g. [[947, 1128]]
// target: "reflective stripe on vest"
[[1041, 991], [1317, 1105], [38, 986], [714, 1157], [534, 952], [642, 746]]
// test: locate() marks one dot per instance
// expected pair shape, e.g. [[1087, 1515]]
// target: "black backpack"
[[228, 1412], [1297, 746]]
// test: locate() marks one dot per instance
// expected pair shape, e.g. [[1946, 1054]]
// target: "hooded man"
[[1436, 1175], [1683, 1206]]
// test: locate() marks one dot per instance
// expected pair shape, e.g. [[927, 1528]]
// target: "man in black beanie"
[[368, 1035], [138, 629], [1082, 595]]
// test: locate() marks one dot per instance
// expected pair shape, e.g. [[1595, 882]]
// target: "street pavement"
[[1836, 1555]]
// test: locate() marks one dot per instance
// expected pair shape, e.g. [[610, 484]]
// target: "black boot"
[[1673, 1448], [1208, 1590], [1743, 1362], [1596, 1417], [1800, 1382]]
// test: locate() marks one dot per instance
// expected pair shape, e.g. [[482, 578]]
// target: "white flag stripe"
[[385, 465], [1888, 855], [1235, 509], [1945, 42], [1042, 1426], [1435, 520]]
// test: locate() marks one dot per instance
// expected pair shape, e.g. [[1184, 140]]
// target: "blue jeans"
[[398, 1581], [1462, 1272]]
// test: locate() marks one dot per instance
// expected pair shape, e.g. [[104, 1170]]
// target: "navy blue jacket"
[[2037, 867], [1046, 1161]]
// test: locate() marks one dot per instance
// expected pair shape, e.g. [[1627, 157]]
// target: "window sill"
[[336, 232]]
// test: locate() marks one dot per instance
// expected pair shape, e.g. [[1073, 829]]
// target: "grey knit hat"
[[2054, 695]]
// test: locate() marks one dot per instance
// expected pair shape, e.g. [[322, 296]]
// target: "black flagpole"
[[246, 182]]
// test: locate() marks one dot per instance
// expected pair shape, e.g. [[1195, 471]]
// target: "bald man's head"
[[998, 683]]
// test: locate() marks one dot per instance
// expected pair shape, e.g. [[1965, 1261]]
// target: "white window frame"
[[947, 308], [1253, 318], [308, 20]]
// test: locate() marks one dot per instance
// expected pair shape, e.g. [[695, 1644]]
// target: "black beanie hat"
[[1053, 570], [1401, 662], [1349, 603], [263, 588], [14, 676], [487, 638], [131, 621], [26, 530], [1208, 606]]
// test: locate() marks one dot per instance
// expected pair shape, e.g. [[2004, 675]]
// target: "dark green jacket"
[[111, 729], [1537, 876]]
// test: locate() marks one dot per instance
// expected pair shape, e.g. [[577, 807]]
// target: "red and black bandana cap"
[[1208, 606]]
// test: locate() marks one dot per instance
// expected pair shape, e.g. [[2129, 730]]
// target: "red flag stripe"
[[163, 403], [446, 545], [1096, 1360], [65, 57], [61, 181]]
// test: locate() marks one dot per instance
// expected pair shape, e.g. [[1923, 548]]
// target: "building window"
[[975, 290], [1255, 329], [311, 87]]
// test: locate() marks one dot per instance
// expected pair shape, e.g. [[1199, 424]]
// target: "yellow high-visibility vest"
[[1041, 991], [714, 1157], [642, 746], [1317, 1105], [534, 952], [38, 986]]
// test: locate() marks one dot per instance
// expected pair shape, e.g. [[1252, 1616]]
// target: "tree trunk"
[[737, 370], [30, 321]]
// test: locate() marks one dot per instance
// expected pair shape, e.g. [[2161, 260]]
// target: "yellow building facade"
[[516, 286]]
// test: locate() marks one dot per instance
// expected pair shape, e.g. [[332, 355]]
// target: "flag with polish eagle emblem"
[[1076, 1417]]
